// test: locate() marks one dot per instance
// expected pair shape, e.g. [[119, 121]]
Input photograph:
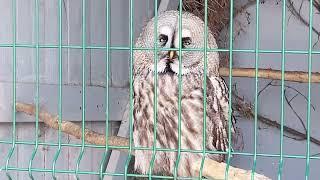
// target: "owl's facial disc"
[[171, 58], [171, 34]]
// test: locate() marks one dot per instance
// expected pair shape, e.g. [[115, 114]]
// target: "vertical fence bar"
[[256, 88], [155, 49], [230, 86], [36, 28], [83, 87], [180, 91], [205, 49], [14, 86], [155, 98], [283, 59], [309, 88], [130, 91], [60, 93], [104, 157]]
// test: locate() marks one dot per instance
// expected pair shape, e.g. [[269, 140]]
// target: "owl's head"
[[167, 36]]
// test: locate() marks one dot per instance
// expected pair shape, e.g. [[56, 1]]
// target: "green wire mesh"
[[84, 47]]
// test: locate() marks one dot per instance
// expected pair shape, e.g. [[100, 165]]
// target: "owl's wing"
[[218, 113]]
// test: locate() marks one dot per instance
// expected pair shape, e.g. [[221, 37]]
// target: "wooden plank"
[[51, 136], [168, 5], [5, 64], [113, 130], [120, 36], [25, 65], [6, 134], [97, 154], [118, 159], [92, 157], [49, 66], [143, 12], [25, 21], [71, 103], [25, 35], [42, 18], [44, 157], [49, 35], [50, 56], [97, 33], [96, 11], [74, 33], [98, 67], [6, 23], [6, 37], [86, 161], [26, 132]]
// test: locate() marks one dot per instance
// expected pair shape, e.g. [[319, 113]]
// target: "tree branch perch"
[[211, 169], [294, 76], [215, 170], [71, 128], [210, 166]]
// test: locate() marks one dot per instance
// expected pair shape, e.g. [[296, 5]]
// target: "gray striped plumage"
[[192, 74]]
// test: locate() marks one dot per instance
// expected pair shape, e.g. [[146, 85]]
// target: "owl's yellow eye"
[[186, 41], [163, 38]]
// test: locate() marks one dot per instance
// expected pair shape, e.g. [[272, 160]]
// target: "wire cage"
[[72, 61]]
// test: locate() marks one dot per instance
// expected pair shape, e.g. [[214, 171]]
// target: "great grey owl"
[[192, 93]]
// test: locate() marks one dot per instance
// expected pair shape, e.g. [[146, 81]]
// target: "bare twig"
[[297, 14], [287, 129], [295, 112], [298, 93], [289, 101], [71, 128], [294, 76], [246, 110], [211, 169], [263, 89]]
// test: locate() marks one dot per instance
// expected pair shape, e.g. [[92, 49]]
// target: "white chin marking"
[[175, 68], [161, 66]]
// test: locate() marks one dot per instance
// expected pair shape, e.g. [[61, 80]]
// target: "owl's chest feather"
[[168, 113]]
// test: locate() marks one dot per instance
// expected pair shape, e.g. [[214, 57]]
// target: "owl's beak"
[[172, 54]]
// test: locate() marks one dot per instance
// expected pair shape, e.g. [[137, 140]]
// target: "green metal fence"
[[101, 172]]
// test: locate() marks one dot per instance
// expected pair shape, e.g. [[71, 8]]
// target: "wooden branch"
[[294, 76], [211, 169], [215, 170], [71, 128]]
